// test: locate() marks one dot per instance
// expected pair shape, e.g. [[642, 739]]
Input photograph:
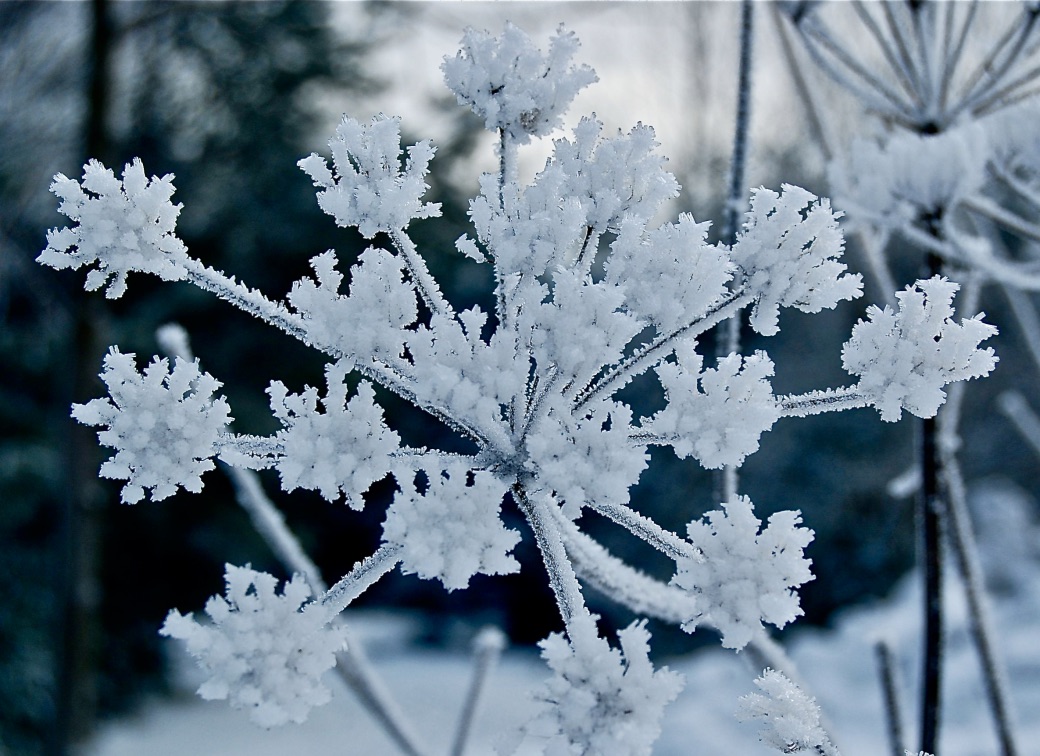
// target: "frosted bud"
[[343, 449], [368, 188], [123, 226], [789, 253], [264, 652], [164, 424], [510, 84], [744, 578], [600, 699], [790, 718], [452, 530], [715, 414], [904, 358]]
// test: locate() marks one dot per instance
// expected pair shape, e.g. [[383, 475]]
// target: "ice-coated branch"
[[645, 357], [665, 541], [611, 576], [825, 400], [547, 535], [890, 696], [363, 576]]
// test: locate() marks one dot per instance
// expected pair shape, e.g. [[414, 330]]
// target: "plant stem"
[[487, 648], [929, 517], [893, 705]]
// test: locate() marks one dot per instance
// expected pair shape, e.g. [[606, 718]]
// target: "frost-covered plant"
[[590, 294], [263, 651], [950, 174], [790, 718]]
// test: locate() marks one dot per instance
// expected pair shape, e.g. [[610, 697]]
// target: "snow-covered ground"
[[838, 665]]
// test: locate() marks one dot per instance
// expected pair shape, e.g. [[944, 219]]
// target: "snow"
[[837, 664]]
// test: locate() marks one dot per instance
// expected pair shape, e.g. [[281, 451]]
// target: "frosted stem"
[[617, 376], [818, 402], [888, 104], [487, 648], [665, 541], [726, 480], [890, 693], [562, 579], [248, 300], [612, 577], [428, 289], [965, 549], [365, 574]]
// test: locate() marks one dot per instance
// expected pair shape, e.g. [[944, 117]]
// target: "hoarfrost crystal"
[[164, 424], [790, 718], [603, 700], [123, 226], [509, 83], [744, 577], [904, 358], [263, 651]]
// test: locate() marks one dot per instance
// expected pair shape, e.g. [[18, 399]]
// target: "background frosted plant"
[[590, 294]]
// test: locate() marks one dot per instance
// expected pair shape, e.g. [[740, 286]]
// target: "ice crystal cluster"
[[263, 651], [590, 294]]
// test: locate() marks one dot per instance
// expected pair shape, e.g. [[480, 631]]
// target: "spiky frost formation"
[[790, 718], [369, 189], [603, 700], [123, 226], [452, 530], [344, 449], [904, 358], [164, 424], [263, 651], [509, 83], [788, 252], [715, 414], [745, 578]]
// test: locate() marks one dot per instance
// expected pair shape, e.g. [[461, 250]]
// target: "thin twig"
[[487, 648], [890, 692]]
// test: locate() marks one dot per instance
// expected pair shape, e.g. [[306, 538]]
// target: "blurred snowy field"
[[838, 664]]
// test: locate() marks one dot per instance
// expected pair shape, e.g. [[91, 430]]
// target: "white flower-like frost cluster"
[[603, 700], [264, 651], [904, 358], [509, 83], [790, 718], [123, 226], [744, 577], [163, 423], [591, 294]]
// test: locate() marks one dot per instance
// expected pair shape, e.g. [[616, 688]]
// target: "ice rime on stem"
[[537, 395]]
